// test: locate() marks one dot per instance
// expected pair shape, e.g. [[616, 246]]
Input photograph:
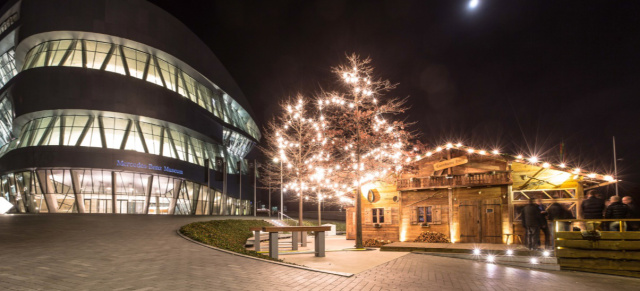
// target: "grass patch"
[[225, 234]]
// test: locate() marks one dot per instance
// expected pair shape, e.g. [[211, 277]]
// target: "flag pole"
[[615, 165]]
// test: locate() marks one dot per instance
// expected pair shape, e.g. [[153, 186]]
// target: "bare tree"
[[294, 141], [367, 144]]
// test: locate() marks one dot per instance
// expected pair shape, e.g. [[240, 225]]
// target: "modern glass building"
[[114, 106]]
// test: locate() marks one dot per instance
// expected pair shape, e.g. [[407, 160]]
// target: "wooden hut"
[[471, 196]]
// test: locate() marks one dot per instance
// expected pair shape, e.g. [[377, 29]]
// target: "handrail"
[[287, 216], [597, 219], [622, 227], [485, 178]]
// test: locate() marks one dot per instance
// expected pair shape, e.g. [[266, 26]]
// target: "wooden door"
[[469, 221], [491, 221]]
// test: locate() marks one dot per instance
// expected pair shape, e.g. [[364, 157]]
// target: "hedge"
[[225, 234]]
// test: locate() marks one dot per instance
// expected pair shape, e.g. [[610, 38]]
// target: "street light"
[[281, 195]]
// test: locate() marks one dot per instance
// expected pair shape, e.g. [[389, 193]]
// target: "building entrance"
[[480, 221]]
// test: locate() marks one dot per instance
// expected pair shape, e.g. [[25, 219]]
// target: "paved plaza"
[[137, 252]]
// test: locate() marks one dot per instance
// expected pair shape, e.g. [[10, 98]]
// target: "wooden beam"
[[604, 235], [598, 264], [594, 254], [599, 245], [529, 181]]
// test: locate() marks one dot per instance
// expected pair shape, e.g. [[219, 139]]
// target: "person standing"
[[633, 213], [544, 227], [557, 211], [616, 210], [592, 207], [532, 221]]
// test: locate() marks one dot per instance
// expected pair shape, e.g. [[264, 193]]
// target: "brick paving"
[[136, 252]]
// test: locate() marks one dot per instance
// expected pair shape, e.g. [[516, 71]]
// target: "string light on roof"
[[532, 160]]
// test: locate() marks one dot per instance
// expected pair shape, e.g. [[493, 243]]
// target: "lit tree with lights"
[[367, 145], [294, 140]]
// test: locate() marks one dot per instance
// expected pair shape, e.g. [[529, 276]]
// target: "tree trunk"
[[319, 212]]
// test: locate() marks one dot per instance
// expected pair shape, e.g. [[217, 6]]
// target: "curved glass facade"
[[8, 22], [6, 120], [7, 67], [141, 65], [123, 134], [105, 191], [57, 183]]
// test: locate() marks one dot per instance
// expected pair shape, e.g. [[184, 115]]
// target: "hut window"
[[424, 214], [377, 215]]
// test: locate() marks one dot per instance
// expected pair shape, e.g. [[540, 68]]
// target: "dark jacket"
[[557, 211], [532, 217], [616, 210], [592, 208], [633, 211]]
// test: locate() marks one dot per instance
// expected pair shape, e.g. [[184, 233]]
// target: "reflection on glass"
[[94, 190], [7, 67]]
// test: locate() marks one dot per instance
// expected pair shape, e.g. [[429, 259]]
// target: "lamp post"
[[281, 195]]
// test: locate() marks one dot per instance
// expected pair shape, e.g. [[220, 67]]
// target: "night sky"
[[524, 76]]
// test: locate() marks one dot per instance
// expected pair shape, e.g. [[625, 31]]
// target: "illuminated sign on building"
[[139, 165]]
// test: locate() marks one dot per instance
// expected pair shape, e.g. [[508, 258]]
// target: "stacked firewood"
[[376, 243], [432, 237]]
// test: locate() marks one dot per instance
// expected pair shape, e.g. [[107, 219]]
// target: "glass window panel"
[[57, 49], [167, 149], [42, 125], [190, 84], [153, 74], [75, 58], [61, 182], [73, 127], [152, 134], [92, 137], [7, 67], [169, 74], [115, 63], [136, 62], [180, 142], [54, 135], [197, 150], [133, 140], [96, 53], [114, 130]]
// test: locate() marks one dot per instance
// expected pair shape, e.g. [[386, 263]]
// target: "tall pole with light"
[[281, 193], [615, 165]]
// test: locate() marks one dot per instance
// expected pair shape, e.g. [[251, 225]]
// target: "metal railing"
[[284, 216], [479, 179], [621, 225]]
